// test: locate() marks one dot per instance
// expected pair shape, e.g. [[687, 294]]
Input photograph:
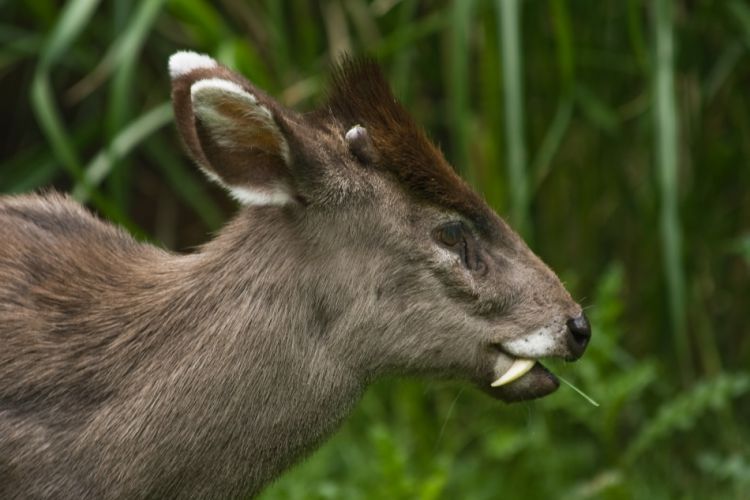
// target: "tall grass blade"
[[75, 16], [419, 29], [551, 143], [666, 121], [121, 93], [402, 64], [564, 44], [458, 85], [124, 48], [73, 19], [540, 166], [510, 48], [636, 36], [123, 143], [202, 21]]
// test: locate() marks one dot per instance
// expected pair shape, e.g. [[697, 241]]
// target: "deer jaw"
[[406, 304]]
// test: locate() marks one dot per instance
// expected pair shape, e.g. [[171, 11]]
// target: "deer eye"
[[455, 237], [451, 235]]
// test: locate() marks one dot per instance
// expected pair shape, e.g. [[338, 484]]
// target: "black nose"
[[579, 333]]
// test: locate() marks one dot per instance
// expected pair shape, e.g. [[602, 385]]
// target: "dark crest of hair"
[[360, 95]]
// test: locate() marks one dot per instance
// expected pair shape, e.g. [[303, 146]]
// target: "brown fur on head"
[[360, 95]]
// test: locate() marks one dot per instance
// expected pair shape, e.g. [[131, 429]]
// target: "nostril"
[[580, 333]]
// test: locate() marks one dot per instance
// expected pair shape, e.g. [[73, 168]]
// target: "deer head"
[[413, 271]]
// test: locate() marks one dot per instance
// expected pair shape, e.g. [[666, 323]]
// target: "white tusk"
[[517, 370]]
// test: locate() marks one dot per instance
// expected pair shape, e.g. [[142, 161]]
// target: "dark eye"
[[456, 237], [451, 235]]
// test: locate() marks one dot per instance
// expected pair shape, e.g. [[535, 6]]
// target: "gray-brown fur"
[[127, 371]]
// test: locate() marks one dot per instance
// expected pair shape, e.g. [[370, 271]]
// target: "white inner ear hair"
[[277, 195], [206, 94], [209, 89], [185, 61], [273, 195], [229, 130]]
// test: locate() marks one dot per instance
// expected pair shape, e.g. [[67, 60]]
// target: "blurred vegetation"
[[615, 134]]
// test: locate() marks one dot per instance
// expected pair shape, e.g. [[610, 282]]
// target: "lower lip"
[[536, 383], [542, 370]]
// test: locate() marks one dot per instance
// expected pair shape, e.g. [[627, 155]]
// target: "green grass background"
[[615, 135]]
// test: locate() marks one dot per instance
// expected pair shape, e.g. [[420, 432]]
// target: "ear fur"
[[231, 130], [183, 62]]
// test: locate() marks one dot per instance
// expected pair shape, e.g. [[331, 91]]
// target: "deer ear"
[[231, 130]]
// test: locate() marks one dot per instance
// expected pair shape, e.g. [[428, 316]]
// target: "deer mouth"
[[519, 379]]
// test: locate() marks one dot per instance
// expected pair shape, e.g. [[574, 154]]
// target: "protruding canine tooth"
[[517, 370]]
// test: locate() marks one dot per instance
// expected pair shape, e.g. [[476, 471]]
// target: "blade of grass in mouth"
[[579, 391]]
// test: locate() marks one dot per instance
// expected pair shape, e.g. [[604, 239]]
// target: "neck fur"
[[241, 379]]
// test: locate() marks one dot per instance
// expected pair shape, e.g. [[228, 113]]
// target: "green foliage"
[[615, 133], [683, 412]]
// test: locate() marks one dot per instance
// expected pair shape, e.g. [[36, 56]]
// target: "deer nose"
[[579, 334]]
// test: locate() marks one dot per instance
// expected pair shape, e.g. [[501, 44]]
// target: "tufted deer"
[[127, 371]]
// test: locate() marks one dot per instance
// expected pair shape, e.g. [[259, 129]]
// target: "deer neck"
[[252, 370]]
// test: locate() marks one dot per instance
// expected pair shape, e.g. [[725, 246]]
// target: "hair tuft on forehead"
[[360, 95]]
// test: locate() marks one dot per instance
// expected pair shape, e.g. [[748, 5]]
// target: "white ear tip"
[[185, 61]]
